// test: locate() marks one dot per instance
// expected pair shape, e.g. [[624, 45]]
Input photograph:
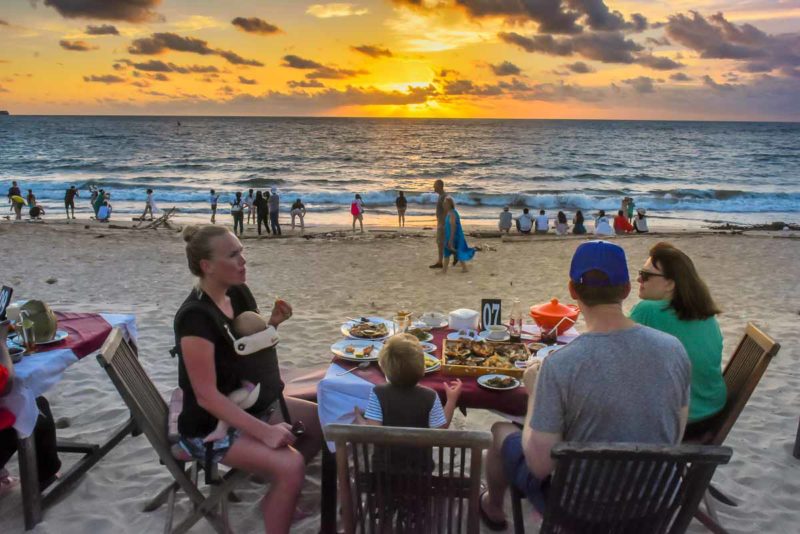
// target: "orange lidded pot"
[[548, 315]]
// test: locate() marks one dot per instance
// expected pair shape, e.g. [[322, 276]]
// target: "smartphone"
[[298, 428], [5, 300]]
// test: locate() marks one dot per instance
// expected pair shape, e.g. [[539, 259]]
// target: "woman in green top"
[[675, 300]]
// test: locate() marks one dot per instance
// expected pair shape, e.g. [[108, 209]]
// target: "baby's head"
[[248, 323], [402, 360]]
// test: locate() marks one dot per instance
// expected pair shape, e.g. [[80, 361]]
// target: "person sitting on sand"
[[599, 388], [259, 441], [601, 225], [561, 223], [504, 224], [578, 228], [640, 222], [36, 212], [104, 212], [675, 300], [299, 211], [454, 239], [357, 211], [621, 224], [525, 222], [542, 223]]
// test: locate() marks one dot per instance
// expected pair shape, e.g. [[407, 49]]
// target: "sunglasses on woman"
[[646, 275]]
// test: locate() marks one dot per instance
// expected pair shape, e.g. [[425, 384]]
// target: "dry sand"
[[754, 278]]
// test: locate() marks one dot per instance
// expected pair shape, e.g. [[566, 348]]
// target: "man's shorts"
[[217, 449], [518, 474]]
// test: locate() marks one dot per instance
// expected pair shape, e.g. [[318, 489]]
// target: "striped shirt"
[[436, 417]]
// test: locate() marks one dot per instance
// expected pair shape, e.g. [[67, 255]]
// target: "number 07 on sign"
[[490, 312]]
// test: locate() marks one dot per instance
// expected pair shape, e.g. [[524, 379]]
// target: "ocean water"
[[692, 171]]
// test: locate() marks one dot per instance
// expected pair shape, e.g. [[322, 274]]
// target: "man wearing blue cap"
[[617, 382]]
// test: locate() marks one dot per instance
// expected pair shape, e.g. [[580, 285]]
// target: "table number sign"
[[491, 312]]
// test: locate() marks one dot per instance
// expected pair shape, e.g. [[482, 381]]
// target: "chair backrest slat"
[[742, 374], [628, 487], [398, 483]]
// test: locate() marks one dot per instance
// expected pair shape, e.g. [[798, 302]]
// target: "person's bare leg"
[[361, 223], [354, 224], [285, 469], [311, 441], [496, 482]]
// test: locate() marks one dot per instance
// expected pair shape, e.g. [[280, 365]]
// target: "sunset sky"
[[632, 59]]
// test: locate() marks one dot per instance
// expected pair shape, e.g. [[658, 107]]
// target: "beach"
[[333, 274]]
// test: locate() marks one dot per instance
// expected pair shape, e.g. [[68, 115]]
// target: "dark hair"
[[524, 210], [541, 212], [149, 190], [602, 213], [358, 196], [562, 218], [579, 217], [238, 194], [619, 212], [594, 294], [640, 215], [259, 196], [691, 298], [401, 193]]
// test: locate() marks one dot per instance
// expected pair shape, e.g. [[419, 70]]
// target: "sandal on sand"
[[7, 485], [492, 524], [435, 266]]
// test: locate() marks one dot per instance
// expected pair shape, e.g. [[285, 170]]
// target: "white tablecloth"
[[33, 376]]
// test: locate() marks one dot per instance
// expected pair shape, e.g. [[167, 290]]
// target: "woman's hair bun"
[[189, 232]]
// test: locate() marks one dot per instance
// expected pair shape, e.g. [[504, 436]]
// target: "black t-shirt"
[[401, 202], [231, 368], [14, 191]]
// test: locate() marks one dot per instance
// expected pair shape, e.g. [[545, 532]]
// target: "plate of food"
[[60, 336], [357, 350], [498, 382], [420, 333], [428, 347], [375, 328], [432, 363], [465, 334], [484, 354]]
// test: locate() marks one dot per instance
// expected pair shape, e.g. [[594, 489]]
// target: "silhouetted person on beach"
[[69, 200], [213, 199], [401, 204], [299, 211], [262, 212], [438, 187], [14, 190], [237, 211], [274, 203]]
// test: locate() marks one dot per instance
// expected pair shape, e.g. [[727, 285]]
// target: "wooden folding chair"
[[150, 413], [742, 374], [402, 480]]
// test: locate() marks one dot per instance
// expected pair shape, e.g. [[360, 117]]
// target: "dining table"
[[37, 372], [339, 393]]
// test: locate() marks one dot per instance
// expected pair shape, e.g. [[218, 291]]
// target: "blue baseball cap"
[[602, 256]]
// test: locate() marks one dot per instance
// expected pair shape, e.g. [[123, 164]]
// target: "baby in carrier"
[[253, 334]]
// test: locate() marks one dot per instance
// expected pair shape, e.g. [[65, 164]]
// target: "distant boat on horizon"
[[4, 112]]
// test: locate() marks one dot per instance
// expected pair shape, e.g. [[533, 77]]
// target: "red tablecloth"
[[514, 402], [87, 332]]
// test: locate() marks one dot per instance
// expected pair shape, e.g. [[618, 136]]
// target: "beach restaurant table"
[[338, 394], [34, 375]]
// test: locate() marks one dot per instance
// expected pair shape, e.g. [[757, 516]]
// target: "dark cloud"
[[127, 10], [305, 84], [105, 78], [679, 77], [155, 65], [606, 47], [642, 84], [247, 81], [255, 25], [159, 77], [373, 51], [717, 38], [579, 67], [104, 29], [467, 87], [506, 68], [708, 81], [76, 46], [658, 42], [159, 43], [658, 62], [319, 71]]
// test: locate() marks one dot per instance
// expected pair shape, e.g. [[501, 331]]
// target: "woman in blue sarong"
[[454, 240]]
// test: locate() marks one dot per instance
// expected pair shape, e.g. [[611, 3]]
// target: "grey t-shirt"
[[625, 386]]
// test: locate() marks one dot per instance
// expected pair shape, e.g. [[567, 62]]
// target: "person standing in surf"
[[213, 199], [402, 203], [251, 213], [237, 211], [274, 204], [149, 206], [69, 200], [357, 211], [438, 188]]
